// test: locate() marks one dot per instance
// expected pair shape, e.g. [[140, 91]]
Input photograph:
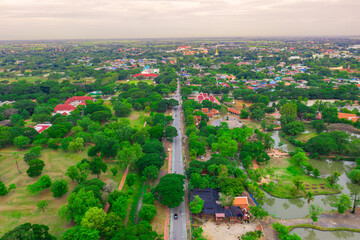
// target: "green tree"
[[343, 203], [333, 178], [257, 114], [151, 172], [330, 115], [129, 155], [35, 168], [314, 212], [130, 179], [170, 190], [59, 187], [77, 145], [196, 205], [316, 173], [97, 166], [319, 126], [29, 232], [78, 204], [94, 218], [147, 212], [121, 109], [293, 128], [43, 183], [21, 141], [42, 205], [170, 132], [80, 233], [258, 212], [114, 171], [289, 108]]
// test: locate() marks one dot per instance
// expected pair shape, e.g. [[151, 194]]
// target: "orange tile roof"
[[239, 201], [205, 110], [348, 116]]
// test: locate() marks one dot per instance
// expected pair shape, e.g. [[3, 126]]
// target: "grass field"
[[19, 206], [137, 119], [306, 136], [283, 173], [27, 79], [135, 81]]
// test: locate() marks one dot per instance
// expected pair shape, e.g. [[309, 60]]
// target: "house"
[[348, 116], [78, 100], [42, 127], [233, 111], [64, 109], [212, 205], [145, 75], [241, 202], [204, 96], [197, 120]]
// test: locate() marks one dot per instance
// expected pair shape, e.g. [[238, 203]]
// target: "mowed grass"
[[19, 206], [31, 79], [306, 136], [135, 81], [137, 119], [283, 173]]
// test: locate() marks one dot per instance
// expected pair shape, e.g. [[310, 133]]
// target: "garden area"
[[20, 206]]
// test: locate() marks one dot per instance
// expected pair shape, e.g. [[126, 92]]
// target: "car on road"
[[175, 216]]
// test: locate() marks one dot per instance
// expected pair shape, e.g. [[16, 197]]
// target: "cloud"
[[37, 19]]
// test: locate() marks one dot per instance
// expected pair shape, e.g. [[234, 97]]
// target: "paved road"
[[178, 226]]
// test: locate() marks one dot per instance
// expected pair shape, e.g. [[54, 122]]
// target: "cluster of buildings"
[[71, 104]]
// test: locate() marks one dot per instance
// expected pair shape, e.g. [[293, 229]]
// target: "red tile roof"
[[146, 75], [64, 107], [78, 98]]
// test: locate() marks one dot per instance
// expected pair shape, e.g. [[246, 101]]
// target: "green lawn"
[[305, 137], [135, 81], [28, 79], [19, 206], [282, 172]]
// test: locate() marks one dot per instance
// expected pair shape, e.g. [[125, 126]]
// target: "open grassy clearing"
[[135, 81], [31, 79], [19, 206], [282, 172], [305, 137], [137, 119]]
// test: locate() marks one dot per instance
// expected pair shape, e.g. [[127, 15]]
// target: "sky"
[[101, 19]]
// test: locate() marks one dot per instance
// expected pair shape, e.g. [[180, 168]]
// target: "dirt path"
[[107, 206]]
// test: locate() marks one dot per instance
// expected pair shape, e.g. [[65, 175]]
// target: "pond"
[[312, 234], [299, 208]]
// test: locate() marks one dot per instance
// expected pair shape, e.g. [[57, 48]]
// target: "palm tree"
[[16, 156]]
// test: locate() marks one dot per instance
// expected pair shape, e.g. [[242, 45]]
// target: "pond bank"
[[346, 221]]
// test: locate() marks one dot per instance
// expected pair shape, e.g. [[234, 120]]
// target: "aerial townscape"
[[179, 120], [180, 139]]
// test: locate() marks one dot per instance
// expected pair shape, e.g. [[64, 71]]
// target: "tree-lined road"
[[178, 229]]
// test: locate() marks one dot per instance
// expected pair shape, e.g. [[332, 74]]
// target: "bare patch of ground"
[[342, 127], [228, 231]]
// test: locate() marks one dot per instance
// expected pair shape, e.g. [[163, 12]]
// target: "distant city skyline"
[[101, 19]]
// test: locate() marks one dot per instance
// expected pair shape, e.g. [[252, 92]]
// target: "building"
[[233, 111], [348, 116], [78, 100], [241, 202], [71, 104], [212, 205], [204, 96], [42, 127], [145, 75]]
